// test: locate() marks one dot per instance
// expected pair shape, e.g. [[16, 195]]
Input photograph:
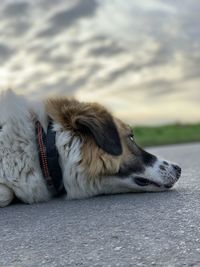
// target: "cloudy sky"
[[140, 58]]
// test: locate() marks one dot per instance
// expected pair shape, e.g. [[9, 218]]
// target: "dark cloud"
[[93, 69], [163, 55], [76, 43], [61, 60], [60, 87], [47, 4], [16, 18], [106, 50], [155, 89], [99, 38], [47, 32], [5, 52], [54, 60], [17, 28], [159, 88], [65, 87], [64, 19], [114, 75], [80, 82], [45, 55], [192, 70], [110, 77], [40, 48], [16, 10]]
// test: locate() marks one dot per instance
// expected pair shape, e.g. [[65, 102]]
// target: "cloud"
[[48, 4], [15, 20], [16, 10], [117, 52], [5, 52], [18, 28], [116, 74], [65, 18], [159, 88], [45, 55], [108, 50]]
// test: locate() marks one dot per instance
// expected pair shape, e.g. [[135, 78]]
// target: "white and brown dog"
[[62, 146]]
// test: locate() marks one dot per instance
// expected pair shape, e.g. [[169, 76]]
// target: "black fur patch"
[[148, 158], [138, 164], [129, 169], [105, 134]]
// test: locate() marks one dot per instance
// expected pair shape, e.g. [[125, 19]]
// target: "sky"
[[140, 58]]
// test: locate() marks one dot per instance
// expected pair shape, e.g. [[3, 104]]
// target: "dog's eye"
[[132, 138]]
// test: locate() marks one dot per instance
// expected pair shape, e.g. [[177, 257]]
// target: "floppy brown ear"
[[88, 119], [104, 132]]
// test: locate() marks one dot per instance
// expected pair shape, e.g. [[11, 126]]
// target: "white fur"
[[19, 164], [76, 181]]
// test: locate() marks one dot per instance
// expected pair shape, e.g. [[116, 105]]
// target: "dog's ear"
[[103, 130], [87, 119]]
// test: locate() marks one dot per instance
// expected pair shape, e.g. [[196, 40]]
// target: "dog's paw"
[[6, 195]]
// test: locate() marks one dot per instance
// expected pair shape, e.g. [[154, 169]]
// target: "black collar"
[[49, 158]]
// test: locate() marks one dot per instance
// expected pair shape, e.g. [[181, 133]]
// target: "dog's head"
[[110, 158]]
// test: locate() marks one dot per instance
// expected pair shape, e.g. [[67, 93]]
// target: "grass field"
[[169, 134]]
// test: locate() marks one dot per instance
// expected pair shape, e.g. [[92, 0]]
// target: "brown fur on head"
[[96, 126]]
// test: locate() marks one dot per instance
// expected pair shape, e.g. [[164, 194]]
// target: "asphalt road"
[[154, 229]]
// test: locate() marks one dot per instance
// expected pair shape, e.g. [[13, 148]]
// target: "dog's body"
[[97, 153]]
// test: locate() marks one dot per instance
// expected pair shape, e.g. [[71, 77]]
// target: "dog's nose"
[[178, 170]]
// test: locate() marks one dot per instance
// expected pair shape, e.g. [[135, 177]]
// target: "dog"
[[61, 146]]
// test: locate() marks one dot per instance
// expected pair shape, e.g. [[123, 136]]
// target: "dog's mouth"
[[141, 181]]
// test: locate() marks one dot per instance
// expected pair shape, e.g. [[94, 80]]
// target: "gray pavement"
[[154, 229]]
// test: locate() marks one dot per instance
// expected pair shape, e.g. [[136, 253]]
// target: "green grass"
[[168, 134]]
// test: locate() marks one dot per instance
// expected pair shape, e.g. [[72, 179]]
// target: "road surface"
[[154, 229]]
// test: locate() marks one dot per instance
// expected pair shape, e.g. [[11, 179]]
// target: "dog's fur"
[[98, 154]]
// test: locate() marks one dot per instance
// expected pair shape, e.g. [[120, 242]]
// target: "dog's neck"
[[49, 158]]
